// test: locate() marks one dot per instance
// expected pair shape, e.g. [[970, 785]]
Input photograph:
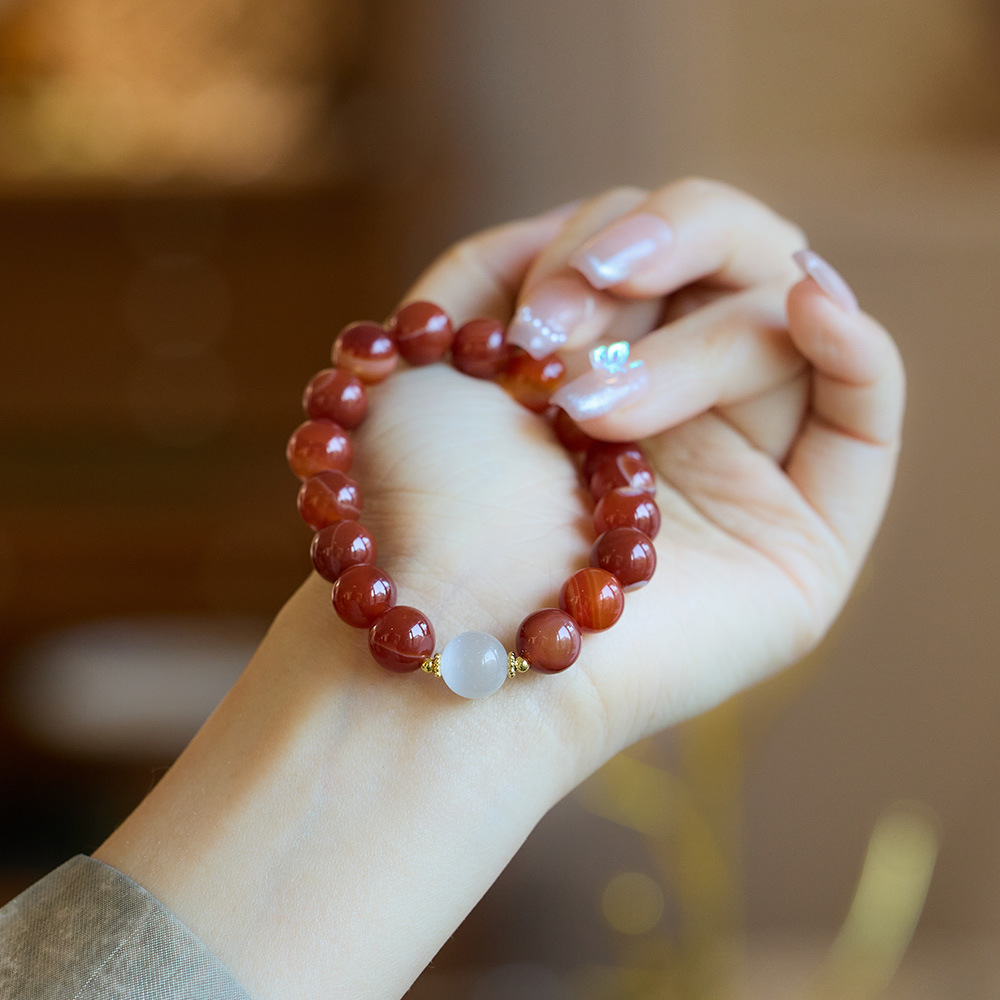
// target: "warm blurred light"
[[223, 90], [632, 903], [132, 688], [887, 904]]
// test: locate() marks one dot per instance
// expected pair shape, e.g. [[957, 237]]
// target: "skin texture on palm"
[[332, 824]]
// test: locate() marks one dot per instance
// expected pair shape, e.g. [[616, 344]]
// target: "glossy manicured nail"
[[600, 391], [626, 248], [552, 311], [830, 280]]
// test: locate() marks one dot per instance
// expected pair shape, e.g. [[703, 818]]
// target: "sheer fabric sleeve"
[[86, 931]]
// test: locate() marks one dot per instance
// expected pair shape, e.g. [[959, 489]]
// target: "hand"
[[332, 824], [772, 420]]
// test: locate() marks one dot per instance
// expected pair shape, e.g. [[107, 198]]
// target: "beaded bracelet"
[[400, 637]]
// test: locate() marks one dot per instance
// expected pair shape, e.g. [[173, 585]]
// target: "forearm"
[[331, 825]]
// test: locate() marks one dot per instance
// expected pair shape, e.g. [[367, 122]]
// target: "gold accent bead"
[[432, 665], [516, 665]]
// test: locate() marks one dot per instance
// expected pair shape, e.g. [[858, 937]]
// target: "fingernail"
[[623, 250], [552, 311], [829, 279], [598, 392]]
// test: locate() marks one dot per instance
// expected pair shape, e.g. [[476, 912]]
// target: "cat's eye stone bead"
[[549, 640], [337, 395], [594, 598], [480, 348], [339, 546], [328, 497], [627, 507], [401, 639], [422, 332], [474, 664], [531, 381], [366, 350], [318, 446], [362, 594], [626, 554]]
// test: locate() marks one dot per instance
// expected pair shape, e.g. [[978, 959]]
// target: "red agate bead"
[[480, 348], [401, 639], [594, 598], [365, 350], [318, 446], [627, 507], [549, 640], [422, 332], [627, 554], [568, 432], [328, 497], [339, 546], [625, 469], [600, 450], [362, 594], [337, 395], [531, 381]]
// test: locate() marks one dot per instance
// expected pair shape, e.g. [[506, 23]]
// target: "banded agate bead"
[[568, 432], [480, 348], [601, 450], [422, 332], [549, 640], [617, 471], [365, 350], [362, 594], [337, 395], [594, 598], [627, 507], [401, 639], [339, 546], [532, 381], [627, 554], [318, 446], [328, 497]]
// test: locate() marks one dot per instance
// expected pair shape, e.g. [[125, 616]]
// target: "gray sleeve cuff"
[[88, 932]]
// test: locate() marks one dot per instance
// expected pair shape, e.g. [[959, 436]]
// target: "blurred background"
[[195, 197]]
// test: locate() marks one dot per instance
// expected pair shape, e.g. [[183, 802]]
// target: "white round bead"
[[474, 664]]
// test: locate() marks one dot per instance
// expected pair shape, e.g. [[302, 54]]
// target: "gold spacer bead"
[[516, 665], [432, 665]]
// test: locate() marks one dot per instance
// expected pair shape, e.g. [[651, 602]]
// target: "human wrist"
[[323, 790]]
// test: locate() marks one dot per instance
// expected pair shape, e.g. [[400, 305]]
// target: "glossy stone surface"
[[626, 554], [474, 664], [616, 471], [549, 640], [627, 507], [594, 598], [401, 639], [337, 395], [531, 382], [367, 351], [422, 331], [480, 348], [339, 546], [318, 446], [600, 450], [328, 497], [362, 594], [568, 432]]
